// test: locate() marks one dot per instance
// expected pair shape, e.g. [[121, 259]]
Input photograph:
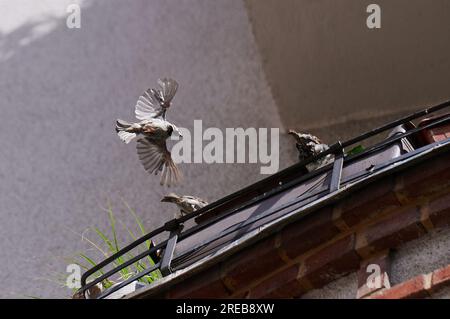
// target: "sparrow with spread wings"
[[155, 129], [309, 145]]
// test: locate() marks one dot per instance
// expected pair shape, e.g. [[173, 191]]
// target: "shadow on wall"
[[61, 91], [326, 68]]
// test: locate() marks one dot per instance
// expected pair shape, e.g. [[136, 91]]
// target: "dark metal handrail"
[[174, 226]]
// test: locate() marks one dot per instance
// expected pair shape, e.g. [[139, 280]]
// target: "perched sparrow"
[[152, 148], [308, 145], [155, 102], [187, 204]]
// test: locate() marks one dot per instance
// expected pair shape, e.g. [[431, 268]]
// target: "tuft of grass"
[[356, 150], [106, 243]]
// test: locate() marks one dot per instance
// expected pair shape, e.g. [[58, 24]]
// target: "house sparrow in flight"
[[187, 204], [155, 102], [308, 145], [151, 147]]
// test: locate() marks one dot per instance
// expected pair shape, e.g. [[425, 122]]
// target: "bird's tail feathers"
[[121, 129], [170, 175], [122, 125]]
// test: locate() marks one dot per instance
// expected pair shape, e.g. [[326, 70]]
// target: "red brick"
[[276, 281], [439, 211], [248, 266], [427, 178], [413, 288], [207, 284], [418, 287], [383, 261], [441, 278], [337, 259], [369, 202], [390, 232], [307, 233]]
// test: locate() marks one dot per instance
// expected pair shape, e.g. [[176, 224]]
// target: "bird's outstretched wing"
[[147, 106], [168, 89], [153, 103], [155, 157]]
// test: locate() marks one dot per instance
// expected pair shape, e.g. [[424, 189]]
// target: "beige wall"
[[325, 67]]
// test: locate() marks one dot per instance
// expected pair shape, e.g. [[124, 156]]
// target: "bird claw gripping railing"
[[277, 182]]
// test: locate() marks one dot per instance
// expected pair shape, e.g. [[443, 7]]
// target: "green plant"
[[107, 244], [356, 150]]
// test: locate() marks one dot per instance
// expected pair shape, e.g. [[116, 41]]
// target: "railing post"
[[335, 182], [175, 229]]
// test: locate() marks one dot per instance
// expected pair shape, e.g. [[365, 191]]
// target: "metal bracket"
[[335, 182], [168, 252]]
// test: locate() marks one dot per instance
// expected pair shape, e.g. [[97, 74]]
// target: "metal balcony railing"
[[250, 195]]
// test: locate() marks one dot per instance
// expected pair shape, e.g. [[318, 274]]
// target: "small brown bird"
[[309, 145], [152, 149], [187, 204]]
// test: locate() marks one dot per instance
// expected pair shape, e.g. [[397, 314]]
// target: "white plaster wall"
[[421, 256], [61, 91], [325, 67]]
